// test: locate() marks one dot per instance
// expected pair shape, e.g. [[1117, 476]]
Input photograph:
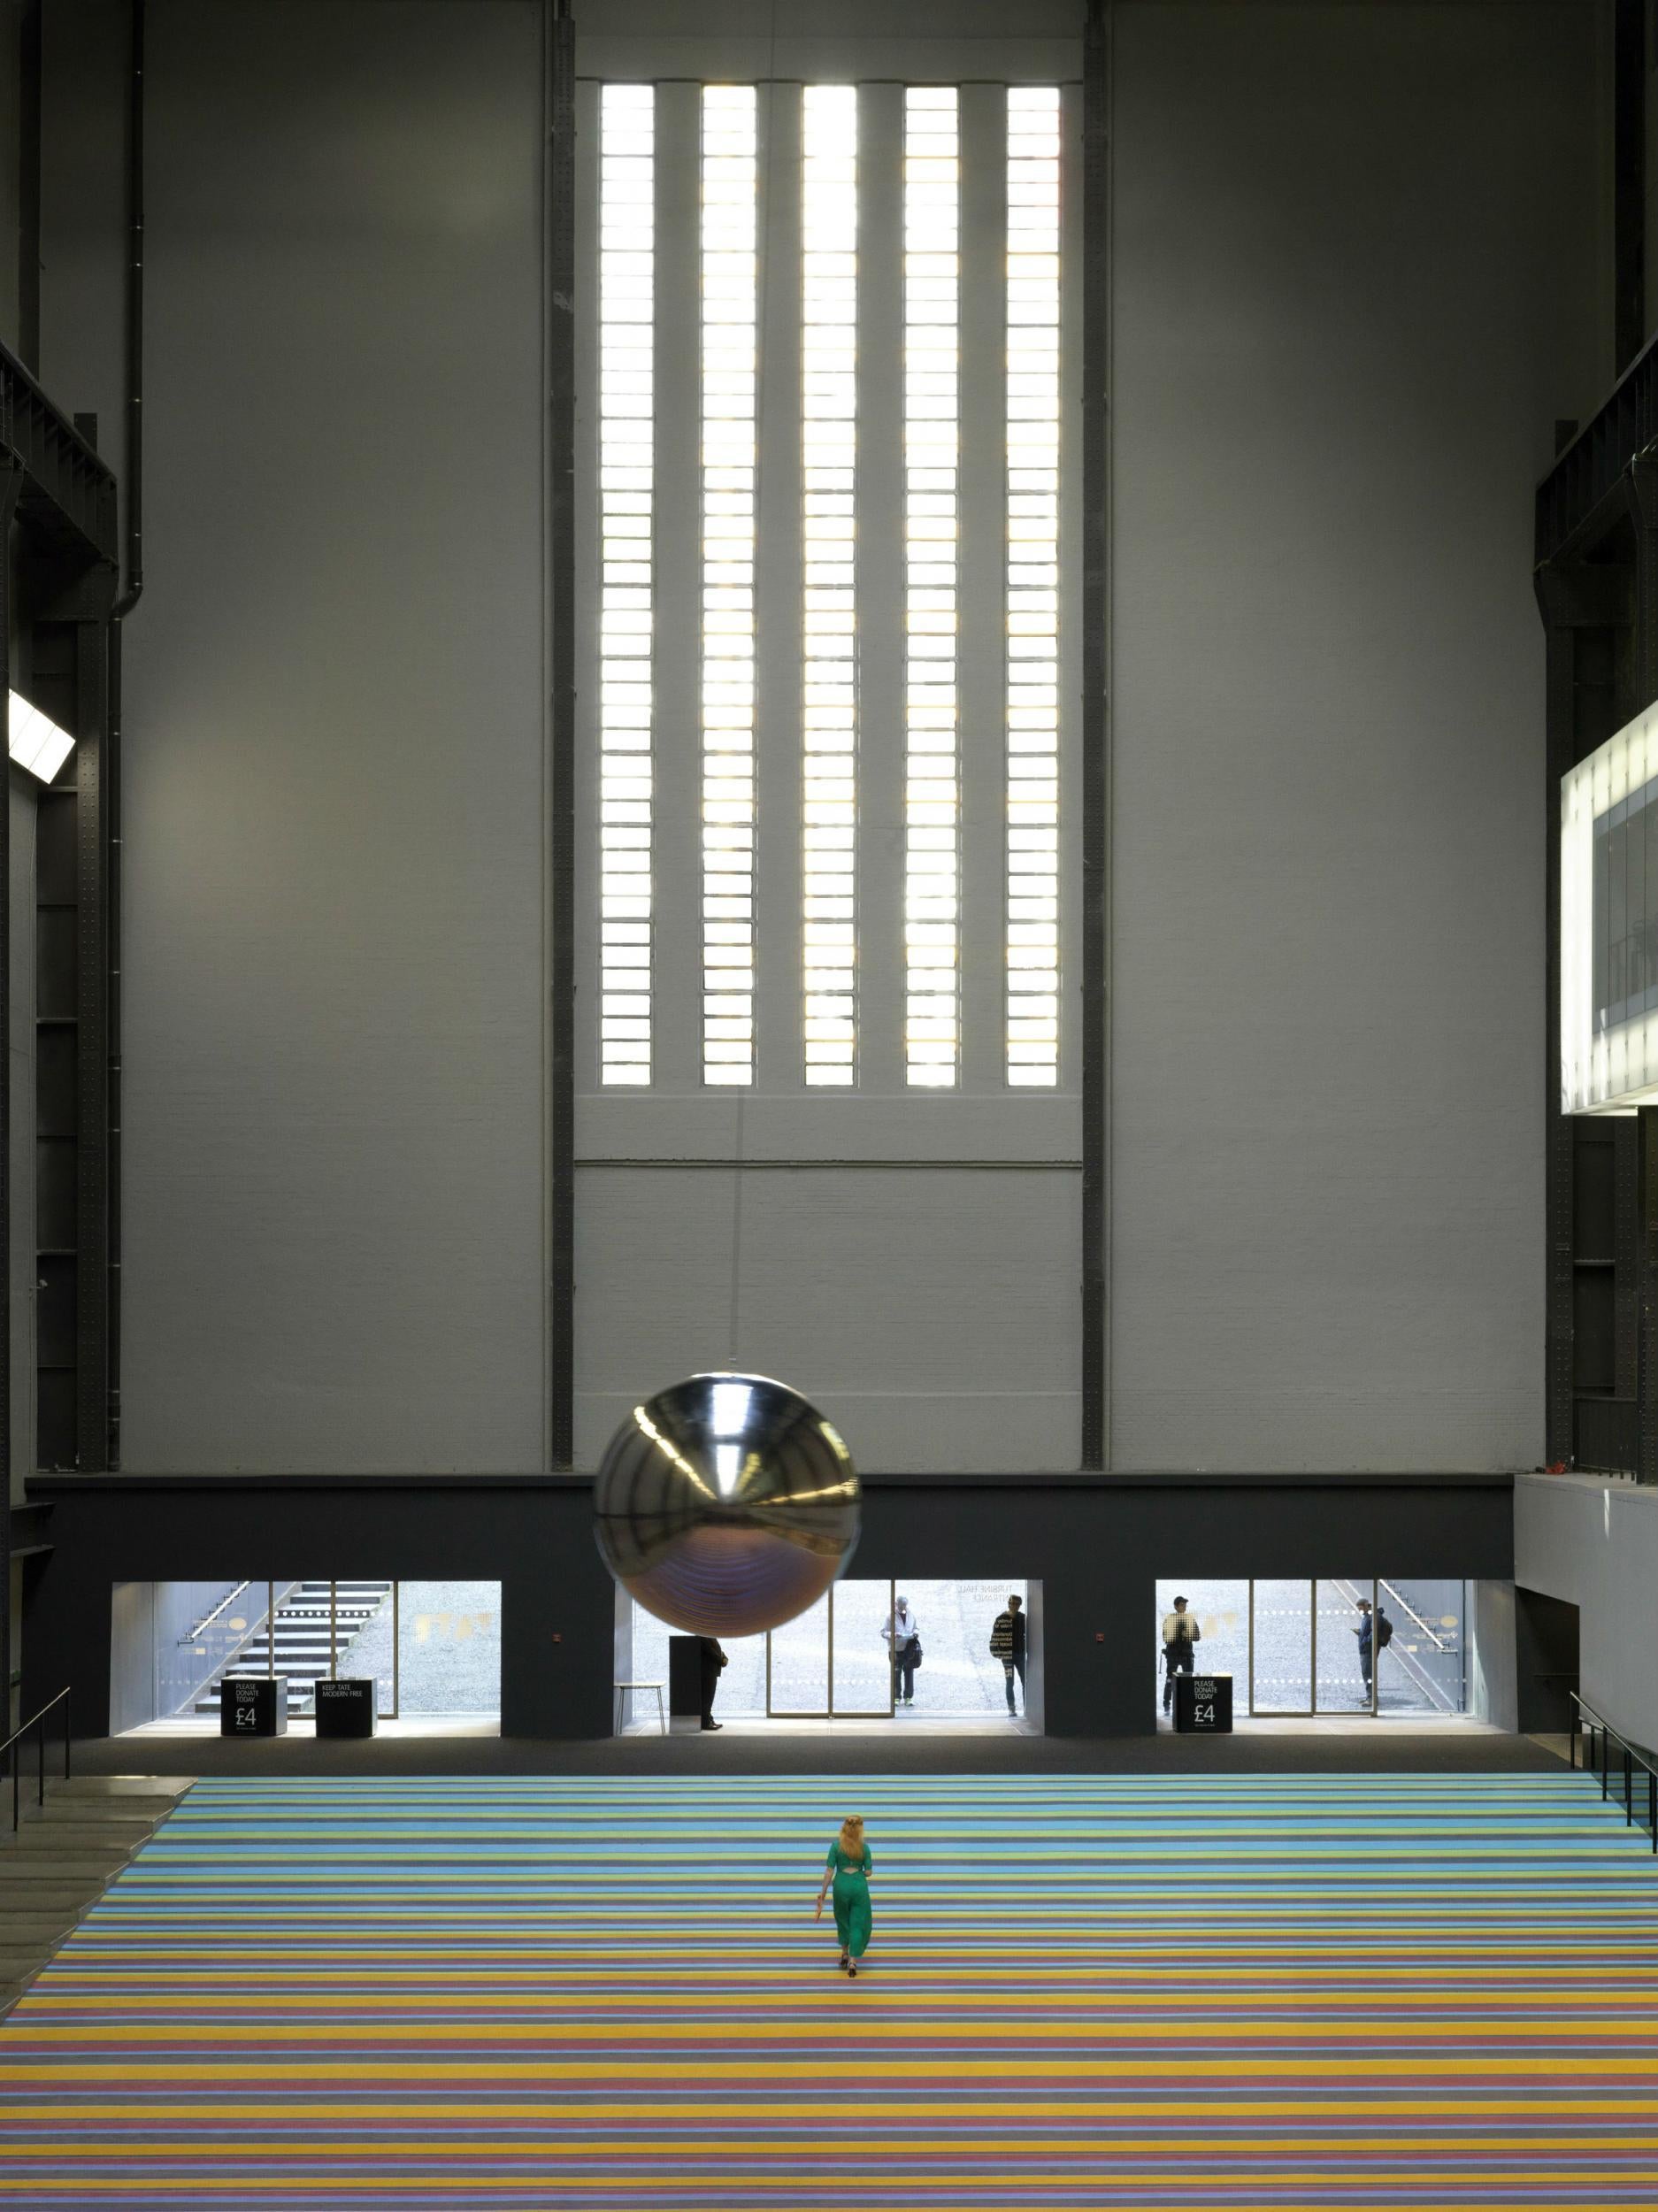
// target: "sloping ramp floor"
[[1137, 1991]]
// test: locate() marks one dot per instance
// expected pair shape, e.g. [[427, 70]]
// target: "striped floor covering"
[[1410, 1991]]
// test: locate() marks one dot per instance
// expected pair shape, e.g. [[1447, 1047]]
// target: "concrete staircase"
[[63, 1858], [301, 1639]]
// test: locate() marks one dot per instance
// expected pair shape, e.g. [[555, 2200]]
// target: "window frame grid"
[[728, 251], [931, 488], [1034, 340], [626, 499], [829, 674]]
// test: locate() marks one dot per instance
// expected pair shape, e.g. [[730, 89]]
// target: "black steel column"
[[11, 484], [1557, 1409], [1096, 737], [560, 279], [1629, 178]]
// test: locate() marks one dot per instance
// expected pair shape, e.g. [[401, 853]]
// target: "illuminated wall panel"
[[1609, 924], [730, 301], [829, 295], [626, 490], [1032, 546], [932, 430]]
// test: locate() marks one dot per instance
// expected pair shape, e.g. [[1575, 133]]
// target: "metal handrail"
[[1599, 1727], [208, 1619], [1405, 1606], [16, 1738]]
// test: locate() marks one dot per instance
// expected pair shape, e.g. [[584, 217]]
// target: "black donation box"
[[1202, 1704], [253, 1705], [346, 1707]]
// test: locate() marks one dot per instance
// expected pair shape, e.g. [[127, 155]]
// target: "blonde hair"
[[852, 1832]]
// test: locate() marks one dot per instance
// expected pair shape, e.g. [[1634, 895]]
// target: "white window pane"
[[829, 125], [1032, 884], [931, 430], [728, 369], [627, 492]]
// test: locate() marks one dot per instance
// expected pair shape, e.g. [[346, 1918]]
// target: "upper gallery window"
[[869, 519]]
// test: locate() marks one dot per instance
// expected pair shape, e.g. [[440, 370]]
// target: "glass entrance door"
[[797, 1665], [833, 1663], [433, 1648], [860, 1662], [1341, 1644], [1281, 1654], [1343, 1606]]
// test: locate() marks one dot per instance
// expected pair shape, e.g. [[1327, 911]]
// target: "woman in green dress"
[[847, 1870]]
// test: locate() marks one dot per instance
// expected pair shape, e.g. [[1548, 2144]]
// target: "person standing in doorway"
[[1375, 1632], [1007, 1643], [1180, 1632], [903, 1640], [713, 1660], [847, 1871]]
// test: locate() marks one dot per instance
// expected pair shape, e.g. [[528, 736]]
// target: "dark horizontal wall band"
[[44, 1487], [1097, 1547], [807, 1167]]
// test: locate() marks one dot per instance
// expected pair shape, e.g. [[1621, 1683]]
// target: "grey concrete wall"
[[1491, 1693], [934, 1313], [1594, 1544], [931, 1313], [334, 972], [1356, 279], [1359, 270]]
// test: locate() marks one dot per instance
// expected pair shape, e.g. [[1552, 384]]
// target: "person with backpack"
[[1375, 1633], [1180, 1632], [1007, 1643]]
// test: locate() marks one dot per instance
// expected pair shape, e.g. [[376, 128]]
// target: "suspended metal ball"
[[726, 1505]]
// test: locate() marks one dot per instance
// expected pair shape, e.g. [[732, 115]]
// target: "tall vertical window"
[[1033, 526], [932, 421], [626, 424], [730, 299], [829, 306]]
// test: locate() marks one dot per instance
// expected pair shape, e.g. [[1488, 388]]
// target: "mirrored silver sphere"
[[726, 1505]]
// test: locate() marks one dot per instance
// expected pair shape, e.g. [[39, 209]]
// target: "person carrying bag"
[[1180, 1632], [903, 1636]]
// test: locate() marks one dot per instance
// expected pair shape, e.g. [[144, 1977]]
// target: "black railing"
[[1602, 1736], [1588, 471], [13, 1749]]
